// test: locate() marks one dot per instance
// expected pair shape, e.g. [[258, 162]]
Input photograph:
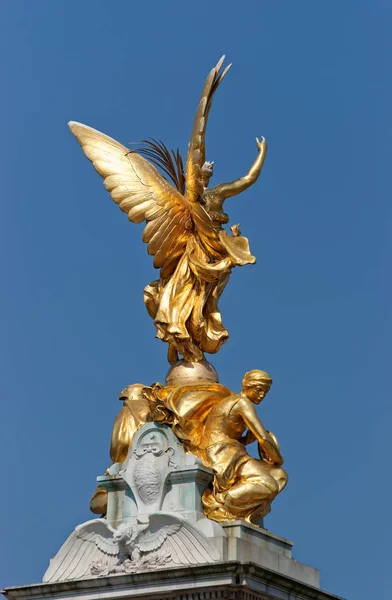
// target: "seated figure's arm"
[[266, 442], [226, 190], [273, 436]]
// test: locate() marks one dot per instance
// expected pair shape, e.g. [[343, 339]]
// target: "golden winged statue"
[[184, 226]]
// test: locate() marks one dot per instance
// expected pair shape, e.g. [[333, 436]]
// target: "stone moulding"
[[224, 581]]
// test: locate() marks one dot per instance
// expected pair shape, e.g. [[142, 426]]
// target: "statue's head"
[[132, 392], [207, 171], [256, 385]]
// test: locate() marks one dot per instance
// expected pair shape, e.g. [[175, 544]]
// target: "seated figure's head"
[[132, 392], [256, 385]]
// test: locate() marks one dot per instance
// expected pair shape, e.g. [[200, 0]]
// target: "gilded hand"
[[261, 144], [235, 230]]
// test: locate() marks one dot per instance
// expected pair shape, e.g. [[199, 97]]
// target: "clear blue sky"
[[314, 78]]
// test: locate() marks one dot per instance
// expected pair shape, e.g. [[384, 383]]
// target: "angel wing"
[[91, 542], [175, 536], [140, 190], [197, 149]]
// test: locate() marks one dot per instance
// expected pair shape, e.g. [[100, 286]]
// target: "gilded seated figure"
[[243, 487], [133, 414], [216, 425]]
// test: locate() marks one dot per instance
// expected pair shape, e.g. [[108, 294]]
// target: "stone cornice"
[[224, 581]]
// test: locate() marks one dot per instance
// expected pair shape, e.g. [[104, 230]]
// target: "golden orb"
[[184, 372]]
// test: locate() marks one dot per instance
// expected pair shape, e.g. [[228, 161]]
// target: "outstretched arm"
[[226, 190]]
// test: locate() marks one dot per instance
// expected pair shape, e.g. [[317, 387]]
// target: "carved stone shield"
[[148, 466]]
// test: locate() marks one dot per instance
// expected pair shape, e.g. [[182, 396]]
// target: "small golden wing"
[[197, 151], [141, 191]]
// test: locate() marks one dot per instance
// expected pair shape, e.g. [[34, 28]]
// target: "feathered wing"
[[175, 536], [90, 542], [197, 150], [141, 191]]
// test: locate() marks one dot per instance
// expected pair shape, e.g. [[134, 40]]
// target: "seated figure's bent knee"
[[280, 477]]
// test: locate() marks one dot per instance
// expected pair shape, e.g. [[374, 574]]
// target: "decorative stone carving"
[[148, 464], [156, 475], [96, 549], [138, 534]]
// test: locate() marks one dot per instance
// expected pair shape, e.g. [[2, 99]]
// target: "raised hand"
[[260, 145]]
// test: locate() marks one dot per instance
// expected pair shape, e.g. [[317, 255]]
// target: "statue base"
[[156, 542]]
